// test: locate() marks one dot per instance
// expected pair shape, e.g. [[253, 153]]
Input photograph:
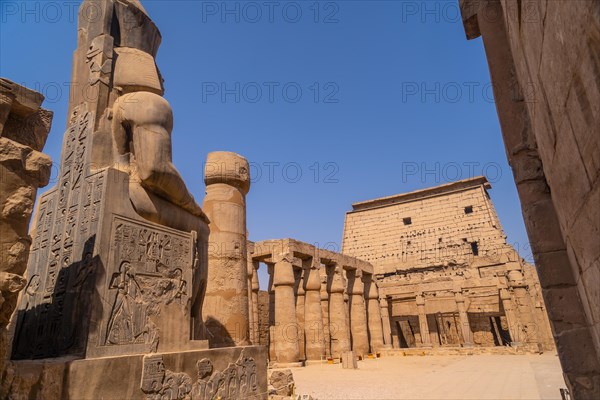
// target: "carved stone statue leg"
[[146, 120]]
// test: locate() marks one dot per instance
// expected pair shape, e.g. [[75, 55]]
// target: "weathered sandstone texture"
[[119, 258], [319, 304], [544, 61], [281, 382], [349, 360], [24, 127], [445, 274], [226, 303]]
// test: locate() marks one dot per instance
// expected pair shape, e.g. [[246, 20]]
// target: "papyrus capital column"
[[373, 315], [286, 327], [313, 318], [358, 314], [226, 303], [325, 313], [254, 302], [338, 314], [300, 298]]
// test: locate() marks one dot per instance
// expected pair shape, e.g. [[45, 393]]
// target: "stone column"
[[325, 313], [423, 326], [226, 303], [313, 317], [373, 315], [24, 127], [253, 338], [272, 355], [358, 314], [385, 319], [254, 302], [347, 311], [285, 341], [338, 314], [300, 314], [511, 318], [464, 319]]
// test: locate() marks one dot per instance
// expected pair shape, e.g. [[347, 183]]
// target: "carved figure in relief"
[[238, 380], [120, 326]]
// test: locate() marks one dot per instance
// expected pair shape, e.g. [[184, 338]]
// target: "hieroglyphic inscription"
[[148, 269], [99, 59], [238, 381], [48, 322]]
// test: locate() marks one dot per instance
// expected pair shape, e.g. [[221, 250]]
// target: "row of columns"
[[319, 311], [390, 330], [512, 314]]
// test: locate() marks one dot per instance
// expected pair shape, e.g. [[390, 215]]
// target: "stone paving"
[[436, 377]]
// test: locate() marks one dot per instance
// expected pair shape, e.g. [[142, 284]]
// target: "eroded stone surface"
[[281, 382], [543, 60], [445, 274], [226, 309], [308, 315], [24, 127], [118, 266]]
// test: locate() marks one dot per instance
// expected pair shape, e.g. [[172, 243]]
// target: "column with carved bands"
[[285, 341], [338, 314]]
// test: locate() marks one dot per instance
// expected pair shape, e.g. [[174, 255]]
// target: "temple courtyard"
[[436, 377]]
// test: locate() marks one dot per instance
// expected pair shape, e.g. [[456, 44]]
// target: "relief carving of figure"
[[121, 324], [238, 380]]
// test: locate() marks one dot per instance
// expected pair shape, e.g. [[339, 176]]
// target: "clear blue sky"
[[393, 99]]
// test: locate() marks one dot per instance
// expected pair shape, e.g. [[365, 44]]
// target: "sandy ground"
[[436, 377]]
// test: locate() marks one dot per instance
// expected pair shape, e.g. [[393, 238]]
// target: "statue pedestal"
[[112, 308], [117, 272], [102, 280], [225, 373]]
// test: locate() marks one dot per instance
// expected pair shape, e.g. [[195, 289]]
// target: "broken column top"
[[21, 117], [24, 101], [227, 167]]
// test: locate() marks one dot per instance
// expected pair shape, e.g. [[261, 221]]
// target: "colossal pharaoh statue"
[[118, 266], [120, 216]]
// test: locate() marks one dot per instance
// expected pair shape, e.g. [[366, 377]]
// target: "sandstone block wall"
[[446, 274], [443, 225], [544, 59]]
